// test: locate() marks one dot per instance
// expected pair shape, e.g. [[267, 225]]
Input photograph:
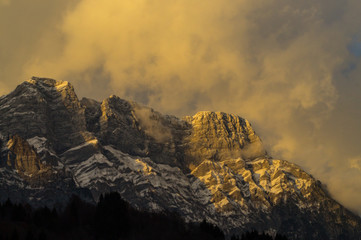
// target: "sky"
[[292, 68]]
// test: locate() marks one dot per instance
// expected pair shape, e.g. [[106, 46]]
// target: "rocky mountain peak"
[[208, 166], [217, 136], [224, 123], [114, 104], [61, 89], [48, 82], [47, 108]]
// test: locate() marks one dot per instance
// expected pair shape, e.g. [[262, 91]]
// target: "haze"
[[292, 68]]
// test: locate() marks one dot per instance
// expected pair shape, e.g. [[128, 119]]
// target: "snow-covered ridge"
[[236, 183], [209, 166]]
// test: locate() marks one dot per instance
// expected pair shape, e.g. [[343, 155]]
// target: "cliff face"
[[44, 108], [23, 158], [208, 166], [220, 136]]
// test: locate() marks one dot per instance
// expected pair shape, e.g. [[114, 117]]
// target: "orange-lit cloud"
[[284, 65], [4, 2]]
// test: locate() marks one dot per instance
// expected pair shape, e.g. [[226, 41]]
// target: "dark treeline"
[[112, 218], [254, 235]]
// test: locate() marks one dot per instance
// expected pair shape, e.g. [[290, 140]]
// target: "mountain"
[[208, 166]]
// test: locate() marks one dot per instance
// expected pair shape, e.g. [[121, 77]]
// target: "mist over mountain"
[[209, 166]]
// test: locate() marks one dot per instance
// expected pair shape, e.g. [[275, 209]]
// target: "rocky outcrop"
[[275, 193], [218, 136], [137, 130], [208, 166], [22, 157], [44, 108]]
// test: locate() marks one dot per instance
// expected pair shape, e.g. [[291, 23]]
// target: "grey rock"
[[208, 166]]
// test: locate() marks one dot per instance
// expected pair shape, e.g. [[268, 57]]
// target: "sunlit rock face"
[[22, 157], [219, 136], [208, 166], [261, 183]]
